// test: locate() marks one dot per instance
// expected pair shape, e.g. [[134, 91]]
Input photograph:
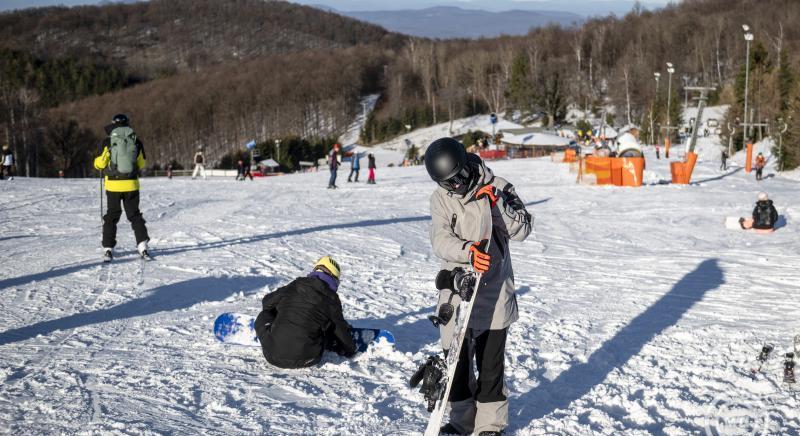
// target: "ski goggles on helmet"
[[457, 182]]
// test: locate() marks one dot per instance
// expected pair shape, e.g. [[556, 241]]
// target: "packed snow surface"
[[640, 313]]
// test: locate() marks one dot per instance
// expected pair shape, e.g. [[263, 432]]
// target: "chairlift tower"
[[701, 104]]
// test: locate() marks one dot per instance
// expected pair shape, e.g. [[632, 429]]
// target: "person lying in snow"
[[301, 320], [764, 215]]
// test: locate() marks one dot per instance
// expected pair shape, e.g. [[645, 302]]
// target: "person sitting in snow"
[[764, 215], [301, 320]]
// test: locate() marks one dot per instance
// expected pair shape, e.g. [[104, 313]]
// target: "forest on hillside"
[[220, 100]]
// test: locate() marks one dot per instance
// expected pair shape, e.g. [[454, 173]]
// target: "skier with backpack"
[[458, 207], [121, 159], [301, 320]]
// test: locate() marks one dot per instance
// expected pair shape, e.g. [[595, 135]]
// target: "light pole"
[[748, 36], [670, 70], [278, 150], [685, 92], [657, 76]]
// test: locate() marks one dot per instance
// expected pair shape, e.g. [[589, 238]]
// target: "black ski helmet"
[[446, 162], [120, 120]]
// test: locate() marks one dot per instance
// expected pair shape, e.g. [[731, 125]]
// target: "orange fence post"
[[676, 169], [616, 171], [632, 171], [748, 163], [688, 166], [666, 148]]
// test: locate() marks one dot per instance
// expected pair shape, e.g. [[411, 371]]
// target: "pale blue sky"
[[585, 7]]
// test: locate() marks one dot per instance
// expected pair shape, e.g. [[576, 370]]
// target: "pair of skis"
[[788, 362]]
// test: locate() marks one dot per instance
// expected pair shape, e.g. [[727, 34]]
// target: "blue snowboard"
[[235, 328]]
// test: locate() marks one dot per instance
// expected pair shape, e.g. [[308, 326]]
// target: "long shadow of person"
[[579, 379], [162, 299]]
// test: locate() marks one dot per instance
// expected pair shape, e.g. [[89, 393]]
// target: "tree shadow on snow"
[[58, 272], [166, 298], [66, 270], [579, 379]]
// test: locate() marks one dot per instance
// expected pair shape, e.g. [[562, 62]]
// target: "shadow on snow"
[[578, 380], [65, 270], [166, 298]]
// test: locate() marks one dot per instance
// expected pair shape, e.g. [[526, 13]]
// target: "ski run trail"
[[640, 313]]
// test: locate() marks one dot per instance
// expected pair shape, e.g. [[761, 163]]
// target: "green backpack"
[[124, 154]]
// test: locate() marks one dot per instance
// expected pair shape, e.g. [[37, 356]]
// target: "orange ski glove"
[[487, 191], [479, 258]]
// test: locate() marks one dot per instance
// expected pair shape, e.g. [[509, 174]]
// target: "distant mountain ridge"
[[454, 22], [160, 37]]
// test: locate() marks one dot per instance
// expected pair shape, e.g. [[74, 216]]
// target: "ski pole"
[[101, 197]]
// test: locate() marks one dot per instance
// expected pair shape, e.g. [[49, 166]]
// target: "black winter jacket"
[[299, 321], [764, 215]]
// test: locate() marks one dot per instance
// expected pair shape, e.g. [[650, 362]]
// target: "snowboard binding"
[[762, 358], [788, 368], [431, 374], [458, 282]]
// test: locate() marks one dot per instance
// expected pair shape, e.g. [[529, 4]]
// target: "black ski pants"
[[488, 351], [130, 200]]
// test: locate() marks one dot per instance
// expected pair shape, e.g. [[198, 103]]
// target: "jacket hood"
[[332, 284]]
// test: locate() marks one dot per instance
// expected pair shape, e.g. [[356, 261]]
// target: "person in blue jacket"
[[355, 166]]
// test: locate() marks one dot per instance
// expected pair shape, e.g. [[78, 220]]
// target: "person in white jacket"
[[199, 165]]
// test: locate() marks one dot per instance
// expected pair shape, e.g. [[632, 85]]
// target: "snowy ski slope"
[[640, 313]]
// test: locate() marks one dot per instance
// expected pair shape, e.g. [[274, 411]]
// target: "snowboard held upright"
[[437, 373]]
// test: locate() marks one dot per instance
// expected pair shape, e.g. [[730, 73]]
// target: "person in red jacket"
[[761, 162]]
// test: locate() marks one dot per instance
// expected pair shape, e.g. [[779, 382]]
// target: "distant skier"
[[122, 158], [7, 163], [761, 162], [333, 164], [247, 172], [304, 318], [658, 152], [723, 160], [355, 166], [371, 166], [199, 165], [765, 216], [457, 208], [240, 170]]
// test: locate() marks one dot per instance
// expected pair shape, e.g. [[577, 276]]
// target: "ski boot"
[[449, 429], [142, 247], [108, 255]]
